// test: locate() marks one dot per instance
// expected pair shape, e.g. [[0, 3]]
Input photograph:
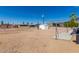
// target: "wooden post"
[[67, 28], [56, 32]]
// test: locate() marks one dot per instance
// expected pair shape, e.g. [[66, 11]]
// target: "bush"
[[71, 24]]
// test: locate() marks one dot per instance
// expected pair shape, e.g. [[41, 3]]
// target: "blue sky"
[[18, 14]]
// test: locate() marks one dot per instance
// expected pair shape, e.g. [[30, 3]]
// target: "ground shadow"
[[75, 41]]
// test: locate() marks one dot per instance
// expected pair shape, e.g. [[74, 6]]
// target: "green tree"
[[72, 22], [73, 19], [66, 24]]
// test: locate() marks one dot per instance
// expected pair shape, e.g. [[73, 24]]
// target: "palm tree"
[[73, 19], [73, 16]]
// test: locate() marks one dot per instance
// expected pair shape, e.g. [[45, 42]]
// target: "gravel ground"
[[31, 40]]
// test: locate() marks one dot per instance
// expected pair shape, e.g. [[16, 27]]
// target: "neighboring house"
[[61, 24], [58, 24]]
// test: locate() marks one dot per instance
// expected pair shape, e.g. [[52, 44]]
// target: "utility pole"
[[23, 23], [43, 18], [2, 22]]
